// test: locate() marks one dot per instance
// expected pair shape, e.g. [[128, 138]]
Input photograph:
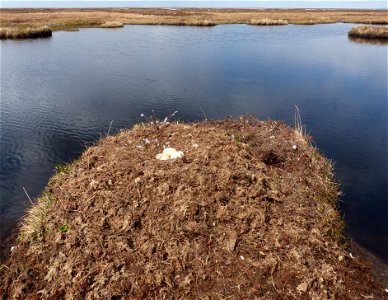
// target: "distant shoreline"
[[72, 19], [200, 4]]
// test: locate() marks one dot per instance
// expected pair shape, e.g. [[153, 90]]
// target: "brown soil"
[[242, 215], [70, 19]]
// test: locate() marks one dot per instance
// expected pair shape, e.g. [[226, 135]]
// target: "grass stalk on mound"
[[34, 226]]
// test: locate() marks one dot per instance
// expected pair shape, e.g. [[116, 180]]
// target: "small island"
[[371, 34], [247, 209], [25, 32]]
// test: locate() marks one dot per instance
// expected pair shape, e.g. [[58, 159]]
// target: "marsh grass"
[[204, 23], [300, 129], [25, 32], [369, 32], [34, 226], [188, 22], [61, 168], [70, 19], [267, 22], [112, 24]]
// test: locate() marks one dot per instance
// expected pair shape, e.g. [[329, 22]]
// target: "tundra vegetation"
[[72, 19], [24, 32], [112, 24], [369, 33], [267, 22]]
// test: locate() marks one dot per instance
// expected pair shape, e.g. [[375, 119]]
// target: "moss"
[[61, 168]]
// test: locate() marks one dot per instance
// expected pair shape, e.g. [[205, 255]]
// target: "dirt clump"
[[248, 212]]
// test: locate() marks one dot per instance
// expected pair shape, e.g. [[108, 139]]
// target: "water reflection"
[[59, 95], [374, 41]]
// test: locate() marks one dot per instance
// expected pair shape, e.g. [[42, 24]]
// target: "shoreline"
[[74, 18], [114, 219]]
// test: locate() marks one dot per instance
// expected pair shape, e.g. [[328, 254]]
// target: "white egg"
[[169, 151], [177, 154], [162, 156]]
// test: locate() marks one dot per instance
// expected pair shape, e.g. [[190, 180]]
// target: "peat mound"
[[248, 212]]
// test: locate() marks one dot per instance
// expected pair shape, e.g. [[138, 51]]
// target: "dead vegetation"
[[267, 22], [201, 23], [111, 24], [369, 33], [24, 32], [70, 19], [248, 212]]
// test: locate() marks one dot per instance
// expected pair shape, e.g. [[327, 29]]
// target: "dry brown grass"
[[65, 19], [204, 23], [34, 225], [369, 32], [249, 212], [112, 24], [24, 32], [267, 22]]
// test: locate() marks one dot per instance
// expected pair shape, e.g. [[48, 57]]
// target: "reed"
[[25, 33], [369, 32], [267, 22]]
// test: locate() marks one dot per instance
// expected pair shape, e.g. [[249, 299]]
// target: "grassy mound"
[[249, 211], [267, 22], [369, 32], [25, 33]]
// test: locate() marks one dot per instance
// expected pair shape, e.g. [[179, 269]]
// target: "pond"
[[59, 95]]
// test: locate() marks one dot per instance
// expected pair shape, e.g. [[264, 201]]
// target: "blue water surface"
[[60, 94]]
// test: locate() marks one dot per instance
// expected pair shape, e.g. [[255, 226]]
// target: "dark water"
[[60, 94], [203, 3]]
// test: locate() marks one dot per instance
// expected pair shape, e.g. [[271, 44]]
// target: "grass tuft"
[[3, 267], [267, 22], [61, 168], [204, 23], [112, 24], [369, 32], [300, 129], [34, 226], [24, 33], [64, 228]]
